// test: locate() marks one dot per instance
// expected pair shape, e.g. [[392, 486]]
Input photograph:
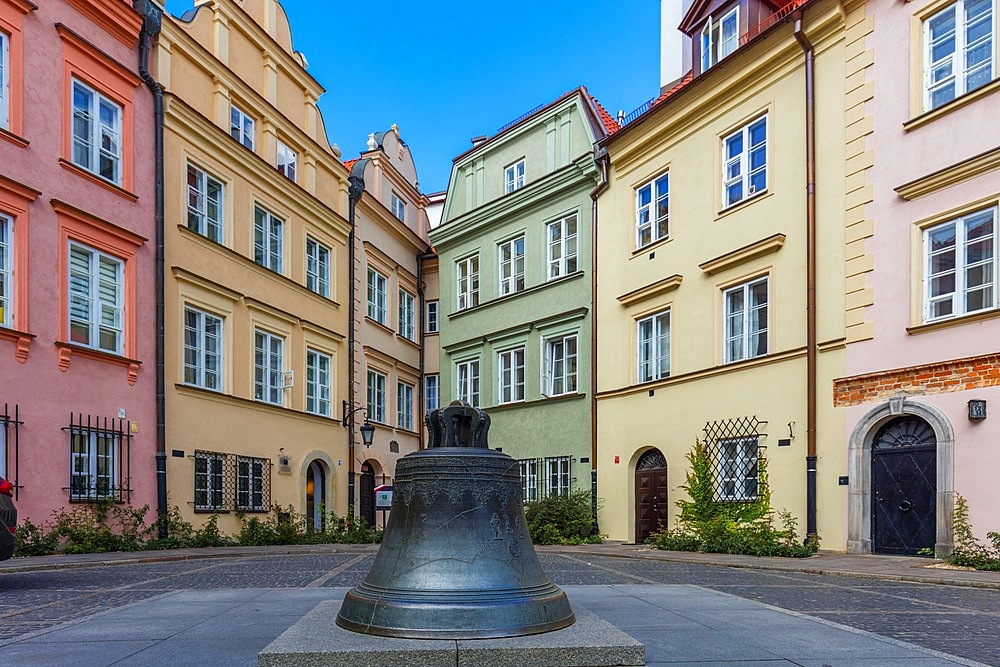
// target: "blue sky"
[[445, 72]]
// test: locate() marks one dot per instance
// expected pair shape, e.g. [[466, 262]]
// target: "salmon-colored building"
[[77, 214]]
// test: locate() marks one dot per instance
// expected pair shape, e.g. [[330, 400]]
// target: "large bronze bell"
[[456, 560]]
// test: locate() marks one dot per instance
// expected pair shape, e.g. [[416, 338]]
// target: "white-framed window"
[[318, 382], [510, 365], [736, 469], [268, 239], [744, 157], [407, 315], [270, 378], [513, 177], [512, 266], [959, 50], [562, 246], [205, 204], [960, 266], [96, 299], [202, 349], [397, 206], [97, 133], [432, 391], [719, 38], [93, 464], [287, 161], [467, 271], [376, 397], [560, 366], [654, 347], [404, 405], [467, 381], [652, 211], [432, 323], [529, 479], [745, 320], [250, 484], [241, 126], [317, 267], [209, 481], [6, 270], [377, 288], [557, 475], [4, 80]]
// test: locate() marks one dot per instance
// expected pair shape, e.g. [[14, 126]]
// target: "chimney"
[[478, 140], [675, 46]]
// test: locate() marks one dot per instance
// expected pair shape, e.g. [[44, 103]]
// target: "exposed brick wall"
[[937, 378]]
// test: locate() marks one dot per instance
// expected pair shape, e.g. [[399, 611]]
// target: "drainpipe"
[[151, 23], [422, 301], [601, 156], [354, 192], [811, 351]]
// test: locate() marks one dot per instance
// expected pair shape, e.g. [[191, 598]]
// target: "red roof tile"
[[683, 82], [610, 124], [350, 163]]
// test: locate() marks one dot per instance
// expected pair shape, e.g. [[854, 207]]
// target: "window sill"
[[953, 322], [94, 178], [380, 325], [21, 339], [514, 295], [403, 339], [548, 400], [738, 206], [67, 350], [18, 141], [650, 247], [968, 98]]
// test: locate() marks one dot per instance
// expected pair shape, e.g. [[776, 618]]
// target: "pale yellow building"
[[256, 275], [703, 250]]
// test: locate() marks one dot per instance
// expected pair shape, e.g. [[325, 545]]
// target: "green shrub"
[[34, 540], [559, 519], [969, 551]]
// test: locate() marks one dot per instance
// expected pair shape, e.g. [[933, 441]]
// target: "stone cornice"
[[650, 291], [736, 257], [114, 17], [951, 175]]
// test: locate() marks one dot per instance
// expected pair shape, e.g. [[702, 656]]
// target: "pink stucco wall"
[[45, 394]]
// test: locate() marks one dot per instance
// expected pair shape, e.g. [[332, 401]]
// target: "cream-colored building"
[[256, 275], [706, 327]]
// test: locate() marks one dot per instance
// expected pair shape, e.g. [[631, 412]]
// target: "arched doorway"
[[366, 495], [904, 487], [315, 495], [650, 494]]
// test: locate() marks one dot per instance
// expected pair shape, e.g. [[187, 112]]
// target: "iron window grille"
[[99, 459], [545, 477], [9, 427], [231, 482], [736, 453]]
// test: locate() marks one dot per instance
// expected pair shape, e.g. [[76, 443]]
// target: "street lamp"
[[367, 433]]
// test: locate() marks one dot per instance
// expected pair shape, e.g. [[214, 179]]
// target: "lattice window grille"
[[245, 484], [736, 453]]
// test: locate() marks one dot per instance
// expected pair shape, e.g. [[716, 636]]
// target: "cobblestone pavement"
[[961, 621]]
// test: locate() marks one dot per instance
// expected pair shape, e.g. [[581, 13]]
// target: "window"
[[736, 469], [513, 177], [560, 366], [404, 406], [432, 323], [961, 266], [652, 211], [432, 391], [468, 382], [958, 51], [512, 266], [97, 131], [407, 315], [268, 239], [557, 475], [6, 271], [377, 296], [562, 235], [745, 159], [4, 81], [202, 349], [204, 212], [468, 282], [250, 484], [317, 383], [209, 481], [745, 327], [376, 397], [93, 464], [719, 38], [287, 161], [96, 290], [241, 127], [511, 375], [317, 267], [654, 347], [529, 479], [269, 368], [398, 207]]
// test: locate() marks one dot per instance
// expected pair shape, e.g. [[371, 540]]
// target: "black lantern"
[[367, 433]]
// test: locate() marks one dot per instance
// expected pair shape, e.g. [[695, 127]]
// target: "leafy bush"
[[969, 551], [34, 540], [562, 519]]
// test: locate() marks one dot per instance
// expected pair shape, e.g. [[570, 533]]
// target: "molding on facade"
[[951, 175], [754, 250], [658, 288]]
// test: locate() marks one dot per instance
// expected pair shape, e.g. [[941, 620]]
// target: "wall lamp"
[[367, 430]]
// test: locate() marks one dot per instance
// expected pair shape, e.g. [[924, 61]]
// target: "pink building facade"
[[922, 395], [77, 269]]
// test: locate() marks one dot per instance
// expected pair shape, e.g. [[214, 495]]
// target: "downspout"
[[601, 157], [811, 351], [151, 22], [422, 301], [355, 190]]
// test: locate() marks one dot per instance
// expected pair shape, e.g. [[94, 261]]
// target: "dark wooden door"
[[367, 495], [904, 487], [650, 494]]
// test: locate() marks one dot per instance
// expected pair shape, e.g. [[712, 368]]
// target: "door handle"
[[905, 506]]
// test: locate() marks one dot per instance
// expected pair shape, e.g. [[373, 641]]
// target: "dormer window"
[[719, 38]]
